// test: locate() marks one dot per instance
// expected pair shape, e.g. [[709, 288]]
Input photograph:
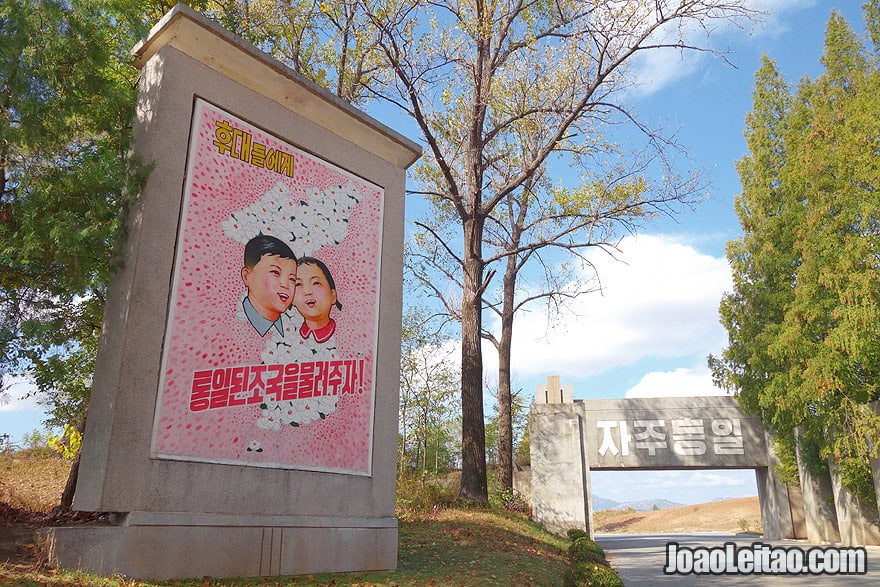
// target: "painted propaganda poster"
[[270, 344]]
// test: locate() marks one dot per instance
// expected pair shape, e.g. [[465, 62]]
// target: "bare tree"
[[498, 91]]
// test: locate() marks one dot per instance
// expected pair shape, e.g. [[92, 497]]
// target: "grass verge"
[[446, 546], [451, 548]]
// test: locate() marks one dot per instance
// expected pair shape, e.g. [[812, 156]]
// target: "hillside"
[[601, 504], [729, 516]]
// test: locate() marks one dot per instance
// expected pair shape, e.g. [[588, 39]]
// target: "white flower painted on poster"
[[305, 225]]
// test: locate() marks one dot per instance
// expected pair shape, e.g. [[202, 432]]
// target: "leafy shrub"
[[420, 496], [855, 474], [591, 557], [579, 549], [66, 444], [593, 575], [575, 533], [510, 500]]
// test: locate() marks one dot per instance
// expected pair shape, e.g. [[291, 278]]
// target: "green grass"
[[467, 547], [451, 547], [439, 544]]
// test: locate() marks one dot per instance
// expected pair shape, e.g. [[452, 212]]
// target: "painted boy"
[[269, 273]]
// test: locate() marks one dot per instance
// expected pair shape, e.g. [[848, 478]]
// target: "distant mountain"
[[645, 505], [600, 503]]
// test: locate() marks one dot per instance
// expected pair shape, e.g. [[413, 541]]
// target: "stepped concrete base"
[[149, 546]]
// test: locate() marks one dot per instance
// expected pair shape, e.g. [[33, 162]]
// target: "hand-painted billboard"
[[270, 345]]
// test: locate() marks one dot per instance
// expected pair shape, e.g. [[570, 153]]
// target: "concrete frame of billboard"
[[177, 519], [562, 458]]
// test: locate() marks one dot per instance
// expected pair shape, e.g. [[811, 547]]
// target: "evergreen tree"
[[804, 318], [763, 260], [68, 100], [831, 336]]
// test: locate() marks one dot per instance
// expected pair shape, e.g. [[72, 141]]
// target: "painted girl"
[[314, 297]]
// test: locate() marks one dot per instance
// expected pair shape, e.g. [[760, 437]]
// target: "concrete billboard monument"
[[243, 419]]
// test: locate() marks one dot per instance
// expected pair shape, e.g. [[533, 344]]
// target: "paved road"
[[641, 558]]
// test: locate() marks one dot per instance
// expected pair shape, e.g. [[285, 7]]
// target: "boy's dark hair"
[[320, 265], [265, 245]]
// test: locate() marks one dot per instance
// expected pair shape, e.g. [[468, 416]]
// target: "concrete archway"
[[569, 439]]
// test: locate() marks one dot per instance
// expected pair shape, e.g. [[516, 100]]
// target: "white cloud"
[[682, 382], [661, 302], [15, 397], [775, 11], [719, 479], [658, 69]]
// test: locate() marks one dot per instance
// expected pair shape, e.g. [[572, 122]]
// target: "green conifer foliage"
[[67, 105], [804, 317]]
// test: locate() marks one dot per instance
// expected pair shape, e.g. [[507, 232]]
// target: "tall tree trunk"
[[474, 485], [401, 464], [425, 443], [70, 486], [505, 421]]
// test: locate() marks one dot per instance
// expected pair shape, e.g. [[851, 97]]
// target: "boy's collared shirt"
[[322, 334], [261, 324]]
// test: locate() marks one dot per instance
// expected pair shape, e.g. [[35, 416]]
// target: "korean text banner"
[[270, 345]]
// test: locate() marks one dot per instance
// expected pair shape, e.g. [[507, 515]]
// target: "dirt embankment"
[[730, 516]]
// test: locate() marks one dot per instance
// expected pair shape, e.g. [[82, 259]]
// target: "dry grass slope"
[[32, 481], [730, 516]]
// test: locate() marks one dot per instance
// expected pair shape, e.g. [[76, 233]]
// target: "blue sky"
[[651, 330]]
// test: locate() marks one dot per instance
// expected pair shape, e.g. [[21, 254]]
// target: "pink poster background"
[[321, 211]]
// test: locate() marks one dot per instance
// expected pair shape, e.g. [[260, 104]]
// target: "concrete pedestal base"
[[178, 546]]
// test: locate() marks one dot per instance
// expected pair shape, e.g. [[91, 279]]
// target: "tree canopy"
[[803, 319], [498, 92], [66, 111]]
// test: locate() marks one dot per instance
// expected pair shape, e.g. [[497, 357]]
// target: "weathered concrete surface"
[[553, 392], [175, 551], [522, 482], [857, 521], [819, 511], [676, 432], [569, 439], [560, 476], [798, 518], [776, 508]]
